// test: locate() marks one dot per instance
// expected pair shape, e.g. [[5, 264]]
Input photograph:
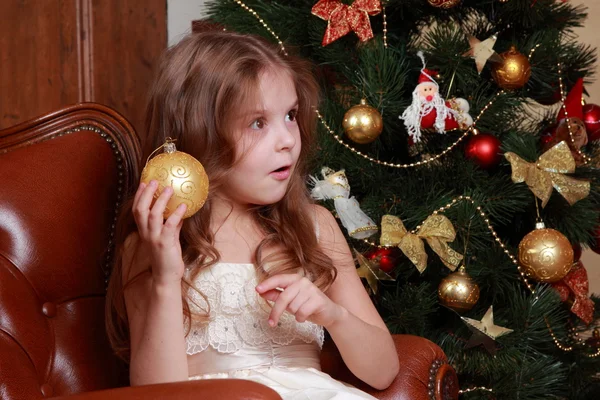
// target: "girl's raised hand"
[[301, 298], [160, 237]]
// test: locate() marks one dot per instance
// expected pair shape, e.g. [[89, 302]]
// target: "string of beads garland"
[[586, 159], [385, 44], [471, 129], [263, 23], [575, 337], [485, 218]]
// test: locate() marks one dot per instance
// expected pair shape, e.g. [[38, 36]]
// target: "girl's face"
[[268, 143]]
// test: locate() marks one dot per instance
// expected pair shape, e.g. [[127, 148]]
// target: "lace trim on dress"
[[238, 315]]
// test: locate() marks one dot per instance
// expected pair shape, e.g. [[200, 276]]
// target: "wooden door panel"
[[55, 53], [128, 37], [38, 58]]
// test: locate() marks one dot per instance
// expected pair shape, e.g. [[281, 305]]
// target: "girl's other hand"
[[301, 298], [160, 237]]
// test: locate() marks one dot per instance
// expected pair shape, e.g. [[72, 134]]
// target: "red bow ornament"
[[341, 18], [575, 287]]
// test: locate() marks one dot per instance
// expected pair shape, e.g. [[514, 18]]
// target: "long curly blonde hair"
[[200, 85]]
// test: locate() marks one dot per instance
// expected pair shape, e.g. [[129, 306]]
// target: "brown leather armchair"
[[63, 176]]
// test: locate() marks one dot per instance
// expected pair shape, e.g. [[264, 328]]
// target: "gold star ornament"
[[485, 332], [371, 272], [483, 51]]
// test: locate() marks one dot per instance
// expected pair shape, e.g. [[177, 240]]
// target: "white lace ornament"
[[335, 186], [238, 315]]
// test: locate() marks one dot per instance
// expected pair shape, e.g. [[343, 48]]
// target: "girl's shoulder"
[[326, 226], [331, 239]]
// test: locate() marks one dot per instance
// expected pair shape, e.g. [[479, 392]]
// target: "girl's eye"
[[291, 116], [258, 124]]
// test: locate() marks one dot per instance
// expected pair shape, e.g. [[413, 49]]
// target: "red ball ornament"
[[591, 119], [386, 263], [484, 150], [385, 257]]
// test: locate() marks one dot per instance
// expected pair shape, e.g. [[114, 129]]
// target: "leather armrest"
[[424, 375], [424, 371], [234, 389]]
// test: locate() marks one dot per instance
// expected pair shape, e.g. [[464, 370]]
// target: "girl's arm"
[[154, 310], [359, 333], [153, 300]]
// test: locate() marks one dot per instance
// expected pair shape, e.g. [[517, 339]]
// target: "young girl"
[[245, 287]]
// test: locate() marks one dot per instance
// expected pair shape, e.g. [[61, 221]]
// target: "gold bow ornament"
[[437, 230], [547, 172]]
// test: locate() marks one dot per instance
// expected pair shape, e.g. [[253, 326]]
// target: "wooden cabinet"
[[55, 53]]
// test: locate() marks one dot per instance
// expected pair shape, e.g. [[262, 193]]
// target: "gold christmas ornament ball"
[[443, 3], [545, 255], [514, 72], [458, 291], [362, 123], [184, 174]]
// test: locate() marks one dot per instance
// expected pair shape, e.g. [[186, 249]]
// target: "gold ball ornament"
[[362, 123], [183, 173], [443, 3], [514, 72], [458, 291], [545, 255]]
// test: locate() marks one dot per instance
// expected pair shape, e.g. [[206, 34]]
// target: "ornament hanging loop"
[[168, 145], [539, 222]]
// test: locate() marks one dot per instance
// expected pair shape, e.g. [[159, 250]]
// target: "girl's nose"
[[287, 140]]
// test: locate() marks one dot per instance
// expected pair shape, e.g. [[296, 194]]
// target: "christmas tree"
[[455, 149]]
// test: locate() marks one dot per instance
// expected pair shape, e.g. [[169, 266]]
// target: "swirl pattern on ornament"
[[187, 187], [180, 171]]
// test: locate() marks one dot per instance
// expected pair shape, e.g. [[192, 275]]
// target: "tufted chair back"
[[62, 178]]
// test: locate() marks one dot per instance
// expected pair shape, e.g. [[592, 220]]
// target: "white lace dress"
[[237, 342]]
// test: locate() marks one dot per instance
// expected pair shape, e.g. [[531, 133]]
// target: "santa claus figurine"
[[430, 111]]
